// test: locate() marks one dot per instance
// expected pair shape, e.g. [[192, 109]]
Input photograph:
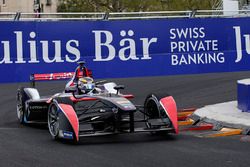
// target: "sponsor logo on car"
[[37, 107], [68, 135]]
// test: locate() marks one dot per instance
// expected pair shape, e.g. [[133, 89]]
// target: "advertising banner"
[[129, 48]]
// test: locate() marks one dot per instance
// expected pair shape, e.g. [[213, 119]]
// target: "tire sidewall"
[[56, 135], [21, 98], [154, 98]]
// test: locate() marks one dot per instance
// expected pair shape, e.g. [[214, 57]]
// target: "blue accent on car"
[[68, 135]]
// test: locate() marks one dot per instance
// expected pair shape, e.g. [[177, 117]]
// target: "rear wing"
[[53, 76]]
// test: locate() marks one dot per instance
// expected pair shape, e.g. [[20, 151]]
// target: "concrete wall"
[[230, 7]]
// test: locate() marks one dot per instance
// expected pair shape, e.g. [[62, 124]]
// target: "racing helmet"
[[86, 84]]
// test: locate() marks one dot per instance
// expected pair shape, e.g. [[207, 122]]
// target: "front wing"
[[70, 125]]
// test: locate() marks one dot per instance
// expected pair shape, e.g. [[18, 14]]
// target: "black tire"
[[152, 109], [53, 120], [151, 106], [22, 97]]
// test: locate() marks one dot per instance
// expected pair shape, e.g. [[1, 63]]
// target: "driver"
[[86, 85], [80, 72]]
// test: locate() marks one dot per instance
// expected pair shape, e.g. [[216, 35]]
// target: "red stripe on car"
[[129, 96], [72, 117], [73, 99]]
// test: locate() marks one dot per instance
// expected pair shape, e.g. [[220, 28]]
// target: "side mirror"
[[119, 87]]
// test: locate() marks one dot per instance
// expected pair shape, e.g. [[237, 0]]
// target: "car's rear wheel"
[[20, 105], [53, 121]]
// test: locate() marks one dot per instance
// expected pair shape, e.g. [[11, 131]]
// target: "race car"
[[88, 108]]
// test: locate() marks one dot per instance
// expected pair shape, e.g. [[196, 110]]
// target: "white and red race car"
[[88, 108]]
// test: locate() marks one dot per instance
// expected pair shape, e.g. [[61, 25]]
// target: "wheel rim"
[[53, 121], [19, 106]]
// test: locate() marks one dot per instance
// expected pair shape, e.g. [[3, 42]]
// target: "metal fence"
[[17, 16]]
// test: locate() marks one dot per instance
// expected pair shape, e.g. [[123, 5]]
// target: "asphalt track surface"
[[33, 146]]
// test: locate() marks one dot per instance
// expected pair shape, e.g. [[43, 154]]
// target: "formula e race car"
[[88, 108]]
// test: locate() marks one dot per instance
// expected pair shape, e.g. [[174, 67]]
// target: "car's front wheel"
[[53, 120]]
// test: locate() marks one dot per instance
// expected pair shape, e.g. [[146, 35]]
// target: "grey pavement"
[[227, 114]]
